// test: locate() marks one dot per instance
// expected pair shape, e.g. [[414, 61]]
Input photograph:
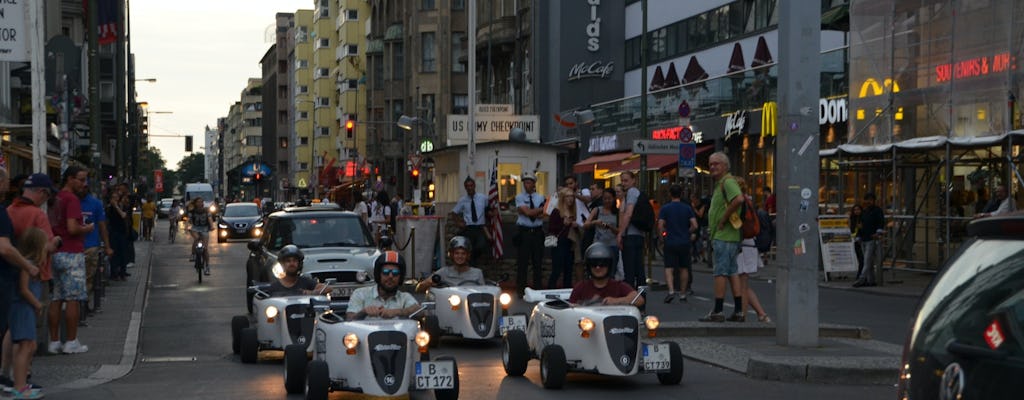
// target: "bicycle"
[[172, 231], [199, 251]]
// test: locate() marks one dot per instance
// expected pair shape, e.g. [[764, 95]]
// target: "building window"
[[325, 12], [303, 165], [282, 142], [378, 71], [459, 59], [429, 51], [324, 131], [322, 72], [427, 5], [324, 43], [352, 83], [303, 141], [302, 114], [460, 104], [458, 4], [303, 89], [252, 140], [352, 15], [300, 64], [353, 49], [323, 102], [397, 62]]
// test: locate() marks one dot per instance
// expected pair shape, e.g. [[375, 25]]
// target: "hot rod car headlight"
[[505, 299], [652, 323], [586, 325], [350, 341], [422, 340], [271, 313], [277, 270], [455, 301]]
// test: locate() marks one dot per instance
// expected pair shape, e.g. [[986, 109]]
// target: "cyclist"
[[173, 216], [201, 220]]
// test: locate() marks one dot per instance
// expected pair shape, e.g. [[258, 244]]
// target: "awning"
[[603, 161], [655, 162]]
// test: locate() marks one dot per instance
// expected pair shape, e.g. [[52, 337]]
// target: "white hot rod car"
[[278, 322], [386, 357], [588, 338], [469, 310]]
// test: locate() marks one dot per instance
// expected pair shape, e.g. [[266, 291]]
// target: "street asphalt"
[[844, 355]]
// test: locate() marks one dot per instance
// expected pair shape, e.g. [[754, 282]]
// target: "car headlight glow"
[[422, 340], [213, 208], [257, 232], [586, 325], [455, 301], [652, 323], [505, 299], [271, 313], [350, 341], [277, 270], [258, 224], [222, 226]]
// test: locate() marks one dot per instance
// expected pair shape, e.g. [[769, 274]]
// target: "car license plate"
[[240, 230], [511, 323], [435, 374], [342, 291], [657, 358]]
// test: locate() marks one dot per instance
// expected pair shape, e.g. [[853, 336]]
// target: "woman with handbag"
[[563, 225]]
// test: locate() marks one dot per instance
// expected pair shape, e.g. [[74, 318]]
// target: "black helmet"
[[388, 257], [598, 254], [459, 242], [290, 251]]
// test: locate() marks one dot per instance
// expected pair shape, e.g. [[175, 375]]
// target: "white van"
[[204, 191]]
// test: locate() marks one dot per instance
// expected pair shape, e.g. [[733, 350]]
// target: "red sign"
[[666, 133], [994, 335], [158, 180], [974, 67]]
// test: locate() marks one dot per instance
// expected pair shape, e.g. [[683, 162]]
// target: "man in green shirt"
[[725, 237]]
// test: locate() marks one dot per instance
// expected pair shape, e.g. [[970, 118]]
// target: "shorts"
[[678, 257], [748, 261], [23, 316], [724, 257], [69, 277]]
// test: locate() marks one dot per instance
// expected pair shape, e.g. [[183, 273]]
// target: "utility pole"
[[37, 53], [798, 169], [94, 85]]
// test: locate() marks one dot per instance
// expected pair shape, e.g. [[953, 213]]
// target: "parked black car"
[[967, 337], [239, 221]]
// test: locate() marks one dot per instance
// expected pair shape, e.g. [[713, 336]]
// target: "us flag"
[[107, 21], [497, 247]]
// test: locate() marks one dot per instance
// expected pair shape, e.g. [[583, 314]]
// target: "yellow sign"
[[768, 117], [833, 223], [302, 183], [871, 88]]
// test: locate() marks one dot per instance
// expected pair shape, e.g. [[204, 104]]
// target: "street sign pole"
[[797, 168]]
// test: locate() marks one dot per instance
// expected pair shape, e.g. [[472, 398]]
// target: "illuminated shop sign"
[[974, 67], [768, 115], [736, 124], [831, 111], [596, 69], [602, 144], [594, 27], [673, 134], [871, 88]]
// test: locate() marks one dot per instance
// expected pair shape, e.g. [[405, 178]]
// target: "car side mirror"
[[254, 245]]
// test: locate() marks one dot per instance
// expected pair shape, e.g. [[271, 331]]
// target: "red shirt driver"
[[601, 288]]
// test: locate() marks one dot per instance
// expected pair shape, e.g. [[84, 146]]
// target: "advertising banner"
[[837, 253]]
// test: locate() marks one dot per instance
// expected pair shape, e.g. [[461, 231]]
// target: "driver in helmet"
[[383, 300], [601, 288], [291, 282], [460, 272]]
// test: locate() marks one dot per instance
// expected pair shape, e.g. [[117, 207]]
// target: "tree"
[[149, 161], [191, 169]]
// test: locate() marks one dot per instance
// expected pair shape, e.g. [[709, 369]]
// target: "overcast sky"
[[201, 53]]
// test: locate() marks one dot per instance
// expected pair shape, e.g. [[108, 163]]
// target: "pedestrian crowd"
[[55, 245]]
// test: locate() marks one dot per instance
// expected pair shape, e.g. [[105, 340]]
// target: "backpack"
[[764, 238], [643, 214], [748, 214]]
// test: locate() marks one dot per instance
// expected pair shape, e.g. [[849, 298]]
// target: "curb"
[[110, 372], [719, 329]]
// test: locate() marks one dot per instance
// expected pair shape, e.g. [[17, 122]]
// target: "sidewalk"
[[112, 336]]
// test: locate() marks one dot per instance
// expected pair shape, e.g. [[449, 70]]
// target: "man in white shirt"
[[471, 218], [1002, 204]]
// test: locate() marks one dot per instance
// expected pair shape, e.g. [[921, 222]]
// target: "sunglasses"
[[392, 272], [598, 266]]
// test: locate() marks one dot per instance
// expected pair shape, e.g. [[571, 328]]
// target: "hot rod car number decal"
[[435, 375], [656, 357]]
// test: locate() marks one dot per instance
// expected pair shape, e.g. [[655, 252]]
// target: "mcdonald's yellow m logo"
[[768, 116], [871, 88]]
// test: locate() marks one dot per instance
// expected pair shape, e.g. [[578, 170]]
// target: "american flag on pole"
[[107, 22], [497, 246]]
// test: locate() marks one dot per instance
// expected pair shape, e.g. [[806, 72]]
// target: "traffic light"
[[415, 177], [430, 190], [188, 143], [350, 125]]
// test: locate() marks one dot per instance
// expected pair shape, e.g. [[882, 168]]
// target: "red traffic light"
[[350, 124], [416, 172]]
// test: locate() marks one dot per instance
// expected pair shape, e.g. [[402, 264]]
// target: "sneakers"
[[27, 393], [737, 317], [669, 297], [54, 347], [682, 298], [6, 385], [713, 317], [75, 347], [130, 265]]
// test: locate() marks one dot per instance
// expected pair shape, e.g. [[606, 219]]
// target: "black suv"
[[336, 244], [967, 336]]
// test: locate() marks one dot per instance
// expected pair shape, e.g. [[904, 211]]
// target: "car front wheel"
[[238, 323], [675, 372], [250, 347], [515, 353], [453, 393], [294, 368], [317, 380], [553, 367]]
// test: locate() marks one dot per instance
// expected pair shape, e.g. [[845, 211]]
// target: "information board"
[[837, 253]]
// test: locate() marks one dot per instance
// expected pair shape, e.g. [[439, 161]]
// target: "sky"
[[201, 53]]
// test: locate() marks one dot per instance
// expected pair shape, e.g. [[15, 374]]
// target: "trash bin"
[[419, 251]]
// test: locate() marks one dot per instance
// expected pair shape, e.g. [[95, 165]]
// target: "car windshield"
[[340, 230], [241, 210]]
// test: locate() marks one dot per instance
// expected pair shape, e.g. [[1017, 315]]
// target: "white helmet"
[[530, 176]]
